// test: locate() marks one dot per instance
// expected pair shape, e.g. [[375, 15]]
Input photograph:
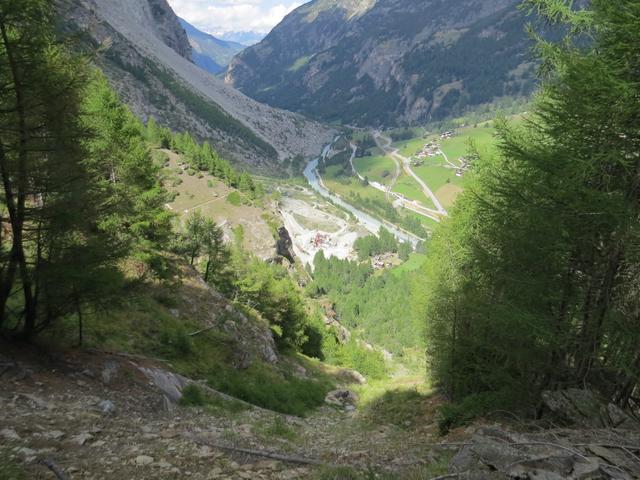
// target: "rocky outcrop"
[[494, 453], [169, 29], [582, 408], [284, 245], [389, 61]]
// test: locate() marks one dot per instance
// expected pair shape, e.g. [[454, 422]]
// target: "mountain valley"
[[392, 240]]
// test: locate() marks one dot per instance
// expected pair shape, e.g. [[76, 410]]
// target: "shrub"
[[234, 198], [294, 396]]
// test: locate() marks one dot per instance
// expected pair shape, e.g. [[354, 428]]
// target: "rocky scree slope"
[[389, 61], [145, 53]]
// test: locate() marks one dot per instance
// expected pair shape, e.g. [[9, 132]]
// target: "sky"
[[222, 16]]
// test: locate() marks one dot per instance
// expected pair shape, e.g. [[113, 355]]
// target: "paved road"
[[385, 144]]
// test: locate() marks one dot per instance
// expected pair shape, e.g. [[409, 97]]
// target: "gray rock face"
[[170, 384], [389, 61], [284, 246], [169, 29], [582, 408], [494, 453]]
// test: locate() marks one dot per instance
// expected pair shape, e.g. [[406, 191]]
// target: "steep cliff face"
[[145, 53], [168, 28], [389, 61]]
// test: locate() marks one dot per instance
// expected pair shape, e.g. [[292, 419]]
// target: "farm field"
[[436, 172], [377, 201], [377, 168], [408, 187]]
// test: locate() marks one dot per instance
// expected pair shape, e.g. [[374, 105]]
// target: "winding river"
[[367, 221]]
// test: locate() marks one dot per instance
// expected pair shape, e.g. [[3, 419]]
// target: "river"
[[367, 221]]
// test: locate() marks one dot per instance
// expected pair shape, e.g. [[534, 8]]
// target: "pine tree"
[[532, 282], [58, 254]]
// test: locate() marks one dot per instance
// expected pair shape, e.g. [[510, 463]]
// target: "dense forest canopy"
[[533, 282]]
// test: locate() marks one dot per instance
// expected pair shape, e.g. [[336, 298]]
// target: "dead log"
[[57, 471], [266, 454]]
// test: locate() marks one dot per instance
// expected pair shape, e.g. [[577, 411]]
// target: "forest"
[[532, 284]]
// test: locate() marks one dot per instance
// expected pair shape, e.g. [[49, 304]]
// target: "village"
[[432, 149]]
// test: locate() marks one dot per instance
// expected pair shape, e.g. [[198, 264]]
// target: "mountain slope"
[[145, 53], [388, 61], [210, 52]]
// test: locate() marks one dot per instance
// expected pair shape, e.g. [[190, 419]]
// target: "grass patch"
[[415, 261], [397, 407], [299, 63], [377, 169], [10, 469], [267, 388], [276, 429], [195, 396], [235, 199]]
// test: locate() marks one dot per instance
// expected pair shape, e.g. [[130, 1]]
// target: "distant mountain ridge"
[[386, 62], [209, 52]]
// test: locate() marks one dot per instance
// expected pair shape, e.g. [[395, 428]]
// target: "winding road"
[[385, 144]]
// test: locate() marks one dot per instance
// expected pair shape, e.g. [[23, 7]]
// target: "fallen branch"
[[450, 475], [57, 471], [266, 454], [202, 331]]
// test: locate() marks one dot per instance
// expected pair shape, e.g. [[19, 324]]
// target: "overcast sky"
[[220, 16]]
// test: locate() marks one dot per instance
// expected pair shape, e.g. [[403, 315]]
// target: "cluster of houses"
[[430, 149], [446, 135], [321, 240], [386, 260]]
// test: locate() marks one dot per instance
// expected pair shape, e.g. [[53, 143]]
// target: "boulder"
[[107, 407], [583, 408], [170, 384], [109, 371], [341, 398]]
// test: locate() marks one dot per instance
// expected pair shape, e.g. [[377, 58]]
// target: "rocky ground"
[[94, 415], [97, 416]]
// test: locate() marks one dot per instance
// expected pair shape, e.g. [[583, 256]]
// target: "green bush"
[[234, 198], [193, 396], [174, 340], [257, 385], [353, 355]]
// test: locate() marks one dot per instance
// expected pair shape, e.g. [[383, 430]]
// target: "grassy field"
[[345, 185], [416, 260], [215, 200], [408, 187], [377, 169], [436, 173]]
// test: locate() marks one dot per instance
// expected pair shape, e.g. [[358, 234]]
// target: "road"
[[370, 223], [402, 201], [385, 144]]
